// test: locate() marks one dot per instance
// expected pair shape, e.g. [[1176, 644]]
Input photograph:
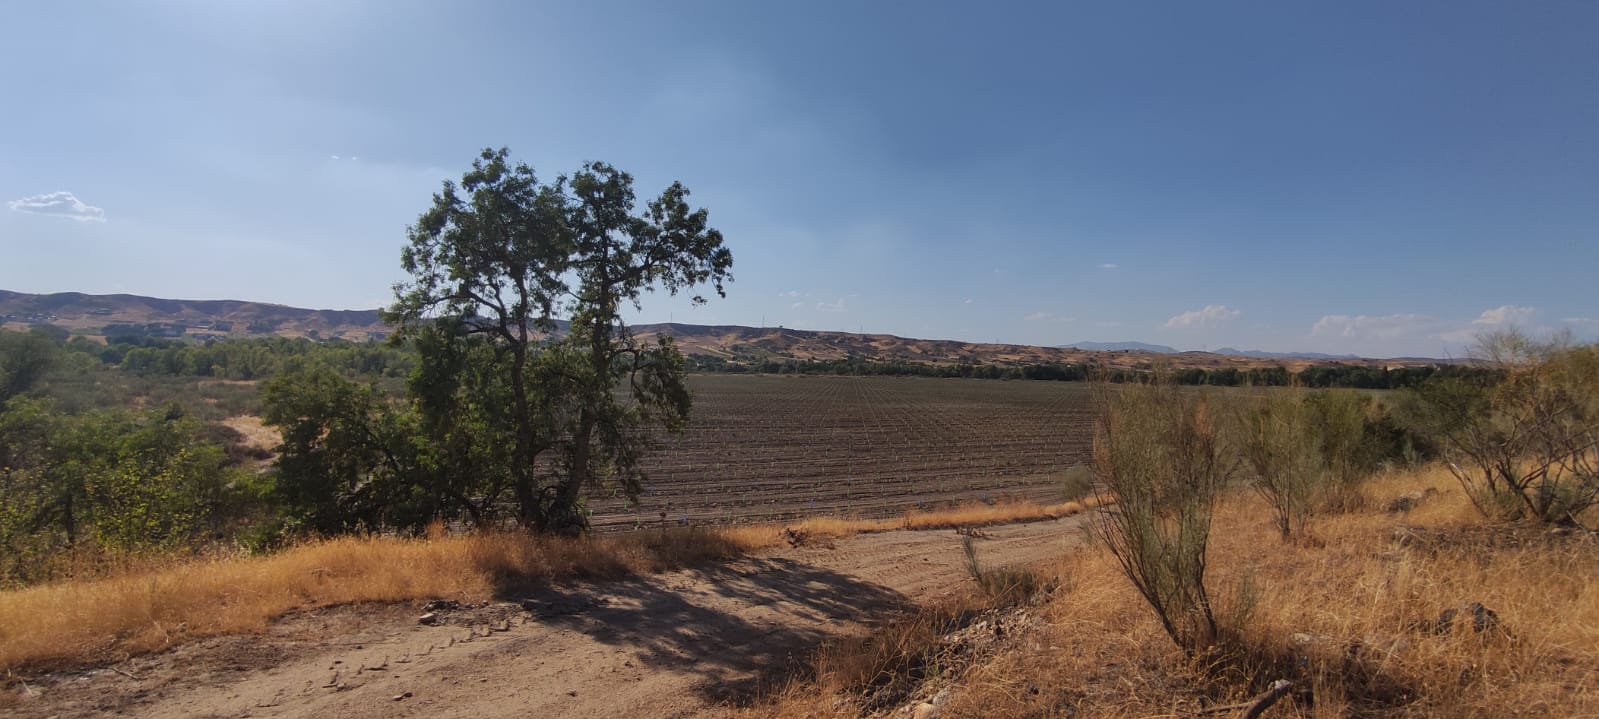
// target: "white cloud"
[[1107, 323], [1583, 321], [58, 204], [1209, 316], [1109, 266], [832, 306], [967, 302], [796, 305], [1395, 333], [1047, 317], [1505, 315], [1382, 327], [1502, 316]]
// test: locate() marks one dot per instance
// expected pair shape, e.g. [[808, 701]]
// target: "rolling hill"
[[99, 315]]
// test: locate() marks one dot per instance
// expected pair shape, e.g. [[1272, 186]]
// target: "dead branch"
[[1257, 706]]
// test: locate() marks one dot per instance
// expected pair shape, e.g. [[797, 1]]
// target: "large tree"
[[501, 259]]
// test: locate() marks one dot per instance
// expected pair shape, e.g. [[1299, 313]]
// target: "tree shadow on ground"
[[737, 626]]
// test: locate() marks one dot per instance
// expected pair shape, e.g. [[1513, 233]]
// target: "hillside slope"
[[97, 315]]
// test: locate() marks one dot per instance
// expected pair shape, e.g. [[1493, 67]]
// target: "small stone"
[[402, 697], [925, 710], [430, 619]]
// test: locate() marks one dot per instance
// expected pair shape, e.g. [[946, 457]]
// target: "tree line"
[[1316, 376]]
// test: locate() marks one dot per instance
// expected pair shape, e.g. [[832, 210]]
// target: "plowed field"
[[770, 448]]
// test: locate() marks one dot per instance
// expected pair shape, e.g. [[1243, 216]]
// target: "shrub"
[[1162, 462], [1282, 445], [1525, 447]]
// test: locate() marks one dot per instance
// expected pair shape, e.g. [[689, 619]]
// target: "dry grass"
[[148, 607], [104, 619], [1350, 615], [975, 514]]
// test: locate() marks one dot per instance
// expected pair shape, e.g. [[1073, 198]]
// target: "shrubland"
[[1256, 555]]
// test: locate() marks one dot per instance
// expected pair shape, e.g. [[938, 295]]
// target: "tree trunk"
[[523, 482]]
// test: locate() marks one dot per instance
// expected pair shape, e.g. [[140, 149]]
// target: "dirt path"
[[666, 645]]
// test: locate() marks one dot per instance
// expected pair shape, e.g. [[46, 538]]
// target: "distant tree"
[[25, 358]]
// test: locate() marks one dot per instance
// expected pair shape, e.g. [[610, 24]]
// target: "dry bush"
[[1280, 445], [1162, 461], [880, 670], [1353, 622], [1308, 452], [1527, 447]]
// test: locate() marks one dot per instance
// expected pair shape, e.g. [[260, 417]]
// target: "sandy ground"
[[668, 645]]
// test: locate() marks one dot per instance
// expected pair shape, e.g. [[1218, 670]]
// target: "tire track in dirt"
[[666, 645]]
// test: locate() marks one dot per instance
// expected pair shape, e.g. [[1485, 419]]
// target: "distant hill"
[[1284, 355], [1229, 351], [201, 319], [1124, 347], [99, 315]]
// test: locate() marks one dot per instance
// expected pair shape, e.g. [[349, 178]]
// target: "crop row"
[[777, 448]]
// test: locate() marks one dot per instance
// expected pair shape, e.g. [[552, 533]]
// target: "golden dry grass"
[[151, 606], [254, 432], [91, 620], [1349, 616], [974, 514]]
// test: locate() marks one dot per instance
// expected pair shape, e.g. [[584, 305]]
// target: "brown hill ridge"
[[97, 315]]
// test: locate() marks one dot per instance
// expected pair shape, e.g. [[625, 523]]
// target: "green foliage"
[[1524, 447], [349, 458], [1310, 451], [492, 264], [25, 357], [1077, 483], [1282, 444], [106, 481], [1162, 460]]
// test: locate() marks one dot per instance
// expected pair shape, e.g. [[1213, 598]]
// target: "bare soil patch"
[[681, 643]]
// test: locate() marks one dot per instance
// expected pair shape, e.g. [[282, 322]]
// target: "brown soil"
[[676, 644]]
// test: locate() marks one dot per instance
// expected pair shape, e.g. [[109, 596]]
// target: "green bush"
[[1162, 460]]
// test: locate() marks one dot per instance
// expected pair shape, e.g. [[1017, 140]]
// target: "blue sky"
[[1382, 178]]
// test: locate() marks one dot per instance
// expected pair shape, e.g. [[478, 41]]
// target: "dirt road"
[[666, 645]]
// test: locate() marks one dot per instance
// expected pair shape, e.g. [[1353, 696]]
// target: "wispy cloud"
[[838, 306], [967, 302], [1208, 316], [1381, 327], [1109, 266], [1505, 315], [1501, 316], [58, 204], [1047, 317]]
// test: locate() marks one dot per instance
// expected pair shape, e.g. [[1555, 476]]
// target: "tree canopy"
[[514, 301]]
